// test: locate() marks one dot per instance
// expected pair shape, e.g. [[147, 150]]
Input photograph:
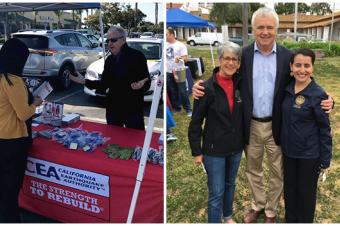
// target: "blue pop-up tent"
[[179, 18]]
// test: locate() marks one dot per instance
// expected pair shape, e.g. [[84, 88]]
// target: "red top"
[[228, 86]]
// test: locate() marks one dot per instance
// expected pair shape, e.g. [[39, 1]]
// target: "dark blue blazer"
[[306, 131], [283, 56]]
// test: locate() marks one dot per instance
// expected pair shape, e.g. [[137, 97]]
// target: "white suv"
[[54, 54], [152, 50]]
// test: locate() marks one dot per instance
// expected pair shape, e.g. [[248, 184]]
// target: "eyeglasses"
[[232, 59], [113, 40]]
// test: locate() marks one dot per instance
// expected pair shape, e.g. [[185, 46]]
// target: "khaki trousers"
[[261, 140]]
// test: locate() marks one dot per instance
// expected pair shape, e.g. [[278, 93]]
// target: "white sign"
[[67, 176]]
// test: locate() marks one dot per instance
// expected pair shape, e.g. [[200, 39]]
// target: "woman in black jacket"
[[221, 113], [305, 138]]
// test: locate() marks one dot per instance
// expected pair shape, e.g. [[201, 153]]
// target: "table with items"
[[86, 172]]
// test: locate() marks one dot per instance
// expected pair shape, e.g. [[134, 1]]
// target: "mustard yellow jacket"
[[14, 108]]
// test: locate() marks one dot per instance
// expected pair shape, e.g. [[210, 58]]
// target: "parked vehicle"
[[93, 39], [237, 40], [134, 35], [147, 35], [152, 50], [160, 36], [216, 39], [54, 54], [88, 32], [205, 38]]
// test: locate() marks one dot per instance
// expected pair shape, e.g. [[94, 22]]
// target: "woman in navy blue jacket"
[[219, 145], [305, 138]]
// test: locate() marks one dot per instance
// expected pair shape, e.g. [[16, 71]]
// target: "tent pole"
[[211, 50], [102, 30], [5, 26], [142, 163]]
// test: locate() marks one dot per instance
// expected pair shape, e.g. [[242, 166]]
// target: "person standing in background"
[[176, 56]]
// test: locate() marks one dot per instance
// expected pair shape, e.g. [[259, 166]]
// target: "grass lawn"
[[187, 184]]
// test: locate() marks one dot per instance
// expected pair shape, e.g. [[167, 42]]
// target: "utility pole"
[[295, 21], [136, 13], [330, 37], [156, 13], [245, 23]]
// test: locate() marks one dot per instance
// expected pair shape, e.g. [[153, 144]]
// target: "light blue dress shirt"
[[264, 75]]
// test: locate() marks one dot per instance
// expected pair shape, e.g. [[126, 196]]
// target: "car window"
[[84, 41], [151, 51], [92, 37], [33, 41], [67, 40]]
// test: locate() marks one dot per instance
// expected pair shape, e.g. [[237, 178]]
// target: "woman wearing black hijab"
[[17, 106]]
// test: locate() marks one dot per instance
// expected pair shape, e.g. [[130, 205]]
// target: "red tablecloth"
[[52, 168]]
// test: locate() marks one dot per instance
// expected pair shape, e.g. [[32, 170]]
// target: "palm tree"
[[58, 13], [35, 18], [79, 11]]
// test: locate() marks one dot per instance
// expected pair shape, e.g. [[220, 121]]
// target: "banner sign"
[[84, 191], [67, 176]]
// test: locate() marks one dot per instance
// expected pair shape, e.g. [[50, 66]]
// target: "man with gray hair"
[[265, 73], [126, 75]]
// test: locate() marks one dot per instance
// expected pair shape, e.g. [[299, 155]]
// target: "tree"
[[115, 13], [35, 18], [59, 13], [79, 12], [92, 21], [128, 15], [230, 13], [289, 8], [320, 8]]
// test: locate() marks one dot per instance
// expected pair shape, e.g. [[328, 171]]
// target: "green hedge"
[[324, 46]]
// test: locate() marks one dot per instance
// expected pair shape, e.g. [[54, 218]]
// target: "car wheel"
[[216, 43], [192, 43], [64, 78]]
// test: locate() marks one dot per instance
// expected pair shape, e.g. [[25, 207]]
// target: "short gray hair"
[[265, 12], [118, 29], [229, 47]]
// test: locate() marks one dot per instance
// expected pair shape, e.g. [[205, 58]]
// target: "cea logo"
[[41, 169]]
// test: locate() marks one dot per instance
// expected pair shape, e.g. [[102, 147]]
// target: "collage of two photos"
[[169, 112]]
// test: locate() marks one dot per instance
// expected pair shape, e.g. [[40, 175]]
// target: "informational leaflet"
[[43, 90]]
